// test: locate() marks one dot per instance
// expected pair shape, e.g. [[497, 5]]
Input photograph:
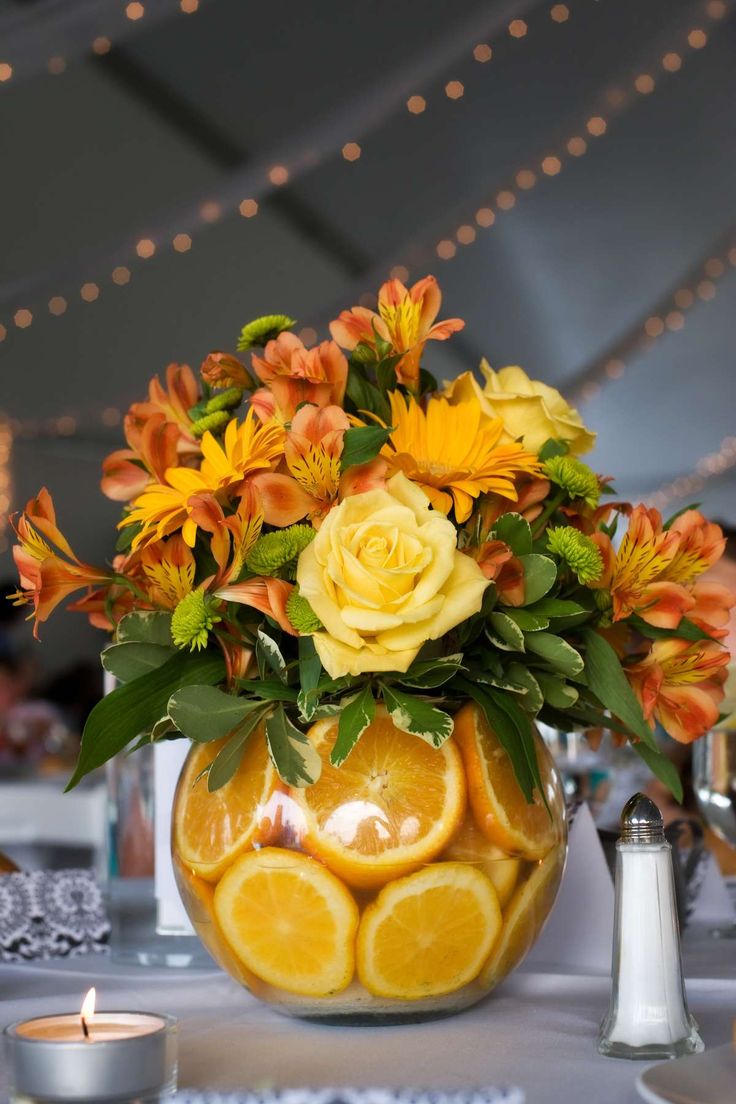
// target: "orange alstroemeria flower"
[[48, 569], [405, 318], [636, 575], [701, 544], [232, 536], [265, 594], [225, 370], [173, 401], [315, 482], [294, 375], [169, 568], [531, 493], [498, 563], [153, 444], [680, 684], [712, 609]]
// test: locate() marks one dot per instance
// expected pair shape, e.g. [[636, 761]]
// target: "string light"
[[416, 105], [668, 318], [483, 52], [518, 28], [248, 208], [145, 248], [121, 275], [454, 90], [560, 13], [6, 71], [278, 175], [182, 243], [101, 46], [135, 11], [708, 467], [351, 151]]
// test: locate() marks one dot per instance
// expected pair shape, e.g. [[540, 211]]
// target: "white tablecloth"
[[537, 1031]]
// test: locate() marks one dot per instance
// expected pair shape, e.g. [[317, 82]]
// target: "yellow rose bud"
[[531, 411], [384, 576]]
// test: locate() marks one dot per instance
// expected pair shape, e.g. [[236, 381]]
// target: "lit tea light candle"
[[92, 1056]]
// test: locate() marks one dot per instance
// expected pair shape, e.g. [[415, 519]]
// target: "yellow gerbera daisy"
[[163, 508], [452, 452]]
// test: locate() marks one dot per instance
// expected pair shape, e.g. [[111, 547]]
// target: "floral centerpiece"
[[355, 592]]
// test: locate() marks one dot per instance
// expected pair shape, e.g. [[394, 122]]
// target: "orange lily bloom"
[[294, 375], [265, 594], [405, 318], [680, 684], [49, 571]]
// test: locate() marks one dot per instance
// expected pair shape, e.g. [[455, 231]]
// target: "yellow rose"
[[384, 576], [531, 411]]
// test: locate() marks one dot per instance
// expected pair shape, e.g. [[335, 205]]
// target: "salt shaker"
[[648, 1016]]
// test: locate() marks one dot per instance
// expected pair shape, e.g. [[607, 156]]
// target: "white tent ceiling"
[[187, 108]]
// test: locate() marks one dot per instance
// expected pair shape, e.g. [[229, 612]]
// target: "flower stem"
[[547, 512]]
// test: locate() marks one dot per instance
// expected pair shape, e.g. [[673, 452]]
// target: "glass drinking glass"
[[714, 782]]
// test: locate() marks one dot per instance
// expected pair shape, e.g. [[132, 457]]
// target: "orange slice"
[[199, 901], [393, 805], [212, 829], [470, 845], [524, 917], [498, 804], [428, 933], [289, 920]]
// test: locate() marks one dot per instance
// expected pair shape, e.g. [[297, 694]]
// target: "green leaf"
[[204, 713], [507, 630], [127, 536], [429, 673], [607, 680], [145, 628], [556, 607], [556, 651], [310, 669], [662, 767], [135, 707], [527, 621], [131, 660], [506, 732], [362, 444], [540, 575], [270, 655], [687, 629], [229, 758], [267, 689], [354, 720], [365, 396], [294, 757], [678, 513], [418, 717], [525, 736], [556, 691], [533, 700], [553, 447], [516, 532], [162, 729], [386, 373]]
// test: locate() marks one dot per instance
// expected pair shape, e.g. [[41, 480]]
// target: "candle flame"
[[88, 1005]]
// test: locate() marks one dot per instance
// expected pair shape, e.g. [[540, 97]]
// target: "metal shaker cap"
[[641, 821]]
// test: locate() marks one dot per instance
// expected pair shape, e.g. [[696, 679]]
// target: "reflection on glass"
[[714, 782]]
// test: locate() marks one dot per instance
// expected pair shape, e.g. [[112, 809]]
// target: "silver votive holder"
[[129, 1056]]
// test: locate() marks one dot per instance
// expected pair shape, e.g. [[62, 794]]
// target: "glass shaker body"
[[648, 1016]]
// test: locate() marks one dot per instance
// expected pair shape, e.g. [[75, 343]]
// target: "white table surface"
[[538, 1030]]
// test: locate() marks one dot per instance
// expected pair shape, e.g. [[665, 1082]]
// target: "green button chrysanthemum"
[[261, 330], [577, 551], [225, 400], [277, 553], [194, 617], [212, 423], [301, 614], [575, 477]]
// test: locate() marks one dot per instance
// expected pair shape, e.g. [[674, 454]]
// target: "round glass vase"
[[405, 884]]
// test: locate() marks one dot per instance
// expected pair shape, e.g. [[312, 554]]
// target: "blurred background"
[[174, 168]]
